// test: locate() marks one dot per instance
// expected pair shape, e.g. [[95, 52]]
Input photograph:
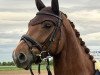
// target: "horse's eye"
[[47, 25]]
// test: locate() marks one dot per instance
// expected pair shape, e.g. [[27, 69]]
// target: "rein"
[[44, 53]]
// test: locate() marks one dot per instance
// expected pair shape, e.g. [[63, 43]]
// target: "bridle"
[[44, 52], [51, 38]]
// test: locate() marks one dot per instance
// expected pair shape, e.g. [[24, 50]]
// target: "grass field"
[[35, 67], [14, 68]]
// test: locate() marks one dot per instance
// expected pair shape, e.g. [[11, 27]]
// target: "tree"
[[0, 63], [4, 64], [7, 64]]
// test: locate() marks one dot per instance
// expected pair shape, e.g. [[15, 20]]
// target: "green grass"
[[14, 68], [9, 68]]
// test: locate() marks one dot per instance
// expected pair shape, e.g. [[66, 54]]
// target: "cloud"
[[12, 27], [92, 15], [93, 36], [17, 4], [86, 21], [10, 32], [13, 16], [30, 4], [93, 3], [92, 39]]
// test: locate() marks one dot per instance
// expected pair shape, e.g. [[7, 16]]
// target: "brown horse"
[[56, 34]]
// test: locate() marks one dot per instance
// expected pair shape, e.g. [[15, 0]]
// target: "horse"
[[51, 32]]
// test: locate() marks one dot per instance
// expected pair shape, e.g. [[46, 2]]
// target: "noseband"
[[44, 53]]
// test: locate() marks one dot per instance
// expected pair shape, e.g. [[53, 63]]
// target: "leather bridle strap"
[[32, 41], [48, 67], [31, 71], [49, 15]]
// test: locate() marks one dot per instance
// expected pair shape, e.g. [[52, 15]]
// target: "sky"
[[15, 15]]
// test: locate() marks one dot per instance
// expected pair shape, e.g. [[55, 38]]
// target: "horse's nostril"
[[22, 57]]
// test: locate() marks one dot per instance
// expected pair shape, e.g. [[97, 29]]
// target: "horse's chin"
[[36, 62], [27, 67]]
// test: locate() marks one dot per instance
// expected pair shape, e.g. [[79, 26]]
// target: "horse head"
[[43, 36]]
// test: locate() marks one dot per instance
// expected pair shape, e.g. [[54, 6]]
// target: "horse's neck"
[[72, 60]]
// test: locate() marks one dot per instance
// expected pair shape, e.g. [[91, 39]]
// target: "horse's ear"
[[39, 4], [55, 6]]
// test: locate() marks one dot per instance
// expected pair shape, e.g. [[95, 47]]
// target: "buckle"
[[45, 55]]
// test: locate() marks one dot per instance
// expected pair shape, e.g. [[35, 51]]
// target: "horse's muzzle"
[[22, 60]]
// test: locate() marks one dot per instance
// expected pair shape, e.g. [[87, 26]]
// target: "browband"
[[49, 15]]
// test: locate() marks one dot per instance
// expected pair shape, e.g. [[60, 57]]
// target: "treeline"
[[44, 62], [7, 64], [12, 63]]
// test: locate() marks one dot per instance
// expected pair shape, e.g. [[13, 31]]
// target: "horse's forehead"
[[40, 18]]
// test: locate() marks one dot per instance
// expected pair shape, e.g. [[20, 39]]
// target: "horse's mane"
[[82, 43]]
